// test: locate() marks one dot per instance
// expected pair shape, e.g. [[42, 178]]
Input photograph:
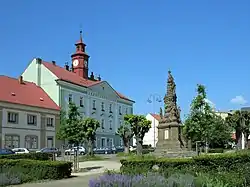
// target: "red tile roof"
[[71, 77], [25, 93], [156, 116]]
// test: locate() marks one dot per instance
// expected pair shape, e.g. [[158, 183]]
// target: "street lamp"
[[152, 99]]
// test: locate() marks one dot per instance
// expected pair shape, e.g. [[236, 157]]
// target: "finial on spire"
[[81, 35]]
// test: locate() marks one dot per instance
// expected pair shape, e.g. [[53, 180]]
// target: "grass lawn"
[[91, 158]]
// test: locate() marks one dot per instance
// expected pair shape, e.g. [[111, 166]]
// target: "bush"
[[216, 150], [26, 170], [30, 156], [215, 165]]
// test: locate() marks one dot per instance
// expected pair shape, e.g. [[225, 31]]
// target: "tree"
[[240, 123], [139, 126], [70, 129], [161, 113], [89, 126], [125, 132], [202, 124]]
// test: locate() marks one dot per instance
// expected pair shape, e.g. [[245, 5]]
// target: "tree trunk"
[[238, 139], [246, 141], [126, 147], [90, 148], [206, 146], [139, 146]]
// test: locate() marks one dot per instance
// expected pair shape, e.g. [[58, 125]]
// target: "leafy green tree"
[[240, 123], [202, 124], [139, 126], [70, 129], [89, 126], [125, 132]]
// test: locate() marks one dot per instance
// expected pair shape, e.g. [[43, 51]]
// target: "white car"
[[20, 150], [82, 151]]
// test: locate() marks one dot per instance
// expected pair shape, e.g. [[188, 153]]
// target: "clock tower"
[[80, 59]]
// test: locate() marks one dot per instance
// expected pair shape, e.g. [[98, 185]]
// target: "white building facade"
[[95, 98], [151, 137]]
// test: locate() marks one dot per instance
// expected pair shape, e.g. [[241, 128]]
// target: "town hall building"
[[94, 97]]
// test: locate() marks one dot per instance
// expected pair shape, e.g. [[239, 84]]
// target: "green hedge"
[[233, 167], [31, 156], [32, 170]]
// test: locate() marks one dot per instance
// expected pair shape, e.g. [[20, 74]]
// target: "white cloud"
[[239, 100]]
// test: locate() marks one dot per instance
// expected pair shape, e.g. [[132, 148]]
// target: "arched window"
[[31, 142]]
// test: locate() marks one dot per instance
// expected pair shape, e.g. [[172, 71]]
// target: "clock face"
[[75, 63], [86, 63]]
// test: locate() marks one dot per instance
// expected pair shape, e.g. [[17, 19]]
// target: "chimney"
[[38, 60], [92, 77], [53, 62], [20, 80], [99, 78], [66, 66]]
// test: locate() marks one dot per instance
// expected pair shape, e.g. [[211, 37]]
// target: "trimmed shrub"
[[31, 170], [222, 166], [30, 156], [216, 150]]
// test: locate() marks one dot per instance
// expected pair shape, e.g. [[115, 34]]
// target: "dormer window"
[[102, 106]]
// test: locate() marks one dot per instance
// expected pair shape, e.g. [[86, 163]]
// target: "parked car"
[[50, 150], [82, 151], [119, 149], [20, 150], [104, 150], [6, 152]]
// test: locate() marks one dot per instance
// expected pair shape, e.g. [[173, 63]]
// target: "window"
[[103, 143], [102, 106], [50, 122], [12, 117], [94, 105], [126, 111], [110, 125], [110, 108], [12, 141], [70, 98], [31, 142], [102, 123], [131, 110], [121, 142], [81, 101], [31, 119], [120, 110], [50, 142]]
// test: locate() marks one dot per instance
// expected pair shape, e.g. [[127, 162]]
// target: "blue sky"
[[133, 44]]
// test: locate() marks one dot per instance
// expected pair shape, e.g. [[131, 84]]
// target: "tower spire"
[[81, 36]]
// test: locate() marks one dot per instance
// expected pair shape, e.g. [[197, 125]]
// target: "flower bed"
[[154, 180]]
